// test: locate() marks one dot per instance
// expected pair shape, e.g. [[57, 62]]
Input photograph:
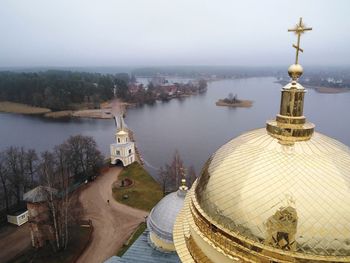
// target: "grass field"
[[144, 194], [140, 229], [12, 107]]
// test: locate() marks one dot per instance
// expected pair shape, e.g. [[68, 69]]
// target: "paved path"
[[113, 223]]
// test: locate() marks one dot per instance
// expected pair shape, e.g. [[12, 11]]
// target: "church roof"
[[141, 251], [122, 132], [38, 194], [162, 217]]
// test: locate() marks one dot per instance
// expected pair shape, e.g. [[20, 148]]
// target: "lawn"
[[145, 192]]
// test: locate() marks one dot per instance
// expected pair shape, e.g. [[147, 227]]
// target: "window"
[[117, 152], [118, 139], [129, 151]]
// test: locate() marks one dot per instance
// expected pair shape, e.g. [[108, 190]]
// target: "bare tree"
[[4, 180], [170, 176], [31, 166], [55, 177], [15, 166], [63, 184], [177, 169], [162, 179], [48, 177], [85, 159], [191, 176]]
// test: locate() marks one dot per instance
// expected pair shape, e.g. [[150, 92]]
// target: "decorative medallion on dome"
[[281, 228]]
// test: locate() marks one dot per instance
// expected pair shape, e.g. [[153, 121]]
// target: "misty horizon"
[[159, 33]]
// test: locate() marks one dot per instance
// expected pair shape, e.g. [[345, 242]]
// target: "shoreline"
[[320, 89], [105, 112], [327, 90]]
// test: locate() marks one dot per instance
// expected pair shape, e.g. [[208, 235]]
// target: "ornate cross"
[[299, 29]]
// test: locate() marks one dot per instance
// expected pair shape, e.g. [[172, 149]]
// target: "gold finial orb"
[[295, 71]]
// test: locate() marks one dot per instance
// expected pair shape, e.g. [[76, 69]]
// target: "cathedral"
[[276, 194]]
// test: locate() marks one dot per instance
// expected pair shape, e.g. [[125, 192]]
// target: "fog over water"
[[183, 32], [194, 126]]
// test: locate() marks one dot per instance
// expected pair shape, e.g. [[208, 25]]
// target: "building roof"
[[162, 217], [38, 194], [141, 251]]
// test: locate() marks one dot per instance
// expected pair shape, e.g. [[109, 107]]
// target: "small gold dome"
[[295, 71]]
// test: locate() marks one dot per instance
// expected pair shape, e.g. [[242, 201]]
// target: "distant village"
[[324, 82], [160, 88]]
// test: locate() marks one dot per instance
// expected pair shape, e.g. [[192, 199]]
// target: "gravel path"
[[113, 223]]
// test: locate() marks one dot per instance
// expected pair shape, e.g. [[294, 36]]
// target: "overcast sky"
[[171, 32]]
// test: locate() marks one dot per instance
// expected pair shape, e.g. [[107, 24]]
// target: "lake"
[[194, 126]]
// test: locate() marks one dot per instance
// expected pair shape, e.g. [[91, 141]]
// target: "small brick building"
[[41, 229]]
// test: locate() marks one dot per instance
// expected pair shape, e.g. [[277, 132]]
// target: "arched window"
[[129, 151], [118, 139]]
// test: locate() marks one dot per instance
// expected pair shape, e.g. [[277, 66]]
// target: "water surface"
[[194, 126]]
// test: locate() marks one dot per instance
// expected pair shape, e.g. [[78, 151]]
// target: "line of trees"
[[21, 170], [59, 90], [59, 171], [171, 174]]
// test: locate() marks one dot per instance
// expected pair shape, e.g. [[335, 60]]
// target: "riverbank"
[[319, 89], [107, 110], [239, 103], [19, 108], [327, 90]]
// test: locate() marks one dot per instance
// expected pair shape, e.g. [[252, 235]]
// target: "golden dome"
[[280, 194], [251, 178], [286, 201]]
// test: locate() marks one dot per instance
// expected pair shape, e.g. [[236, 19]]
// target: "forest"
[[60, 90]]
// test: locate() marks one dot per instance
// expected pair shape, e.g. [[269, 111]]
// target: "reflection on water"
[[194, 126]]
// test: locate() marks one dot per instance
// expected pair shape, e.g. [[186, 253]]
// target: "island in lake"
[[233, 101]]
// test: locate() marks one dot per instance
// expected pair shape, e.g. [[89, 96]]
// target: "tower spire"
[[290, 125]]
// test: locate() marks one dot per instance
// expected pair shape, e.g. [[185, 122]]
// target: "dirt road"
[[113, 223], [13, 240]]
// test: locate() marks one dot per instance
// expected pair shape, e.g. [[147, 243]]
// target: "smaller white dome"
[[161, 220], [122, 132]]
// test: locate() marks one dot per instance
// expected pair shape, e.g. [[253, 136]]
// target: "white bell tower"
[[123, 150]]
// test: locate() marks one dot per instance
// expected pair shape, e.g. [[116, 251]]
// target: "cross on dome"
[[299, 29]]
